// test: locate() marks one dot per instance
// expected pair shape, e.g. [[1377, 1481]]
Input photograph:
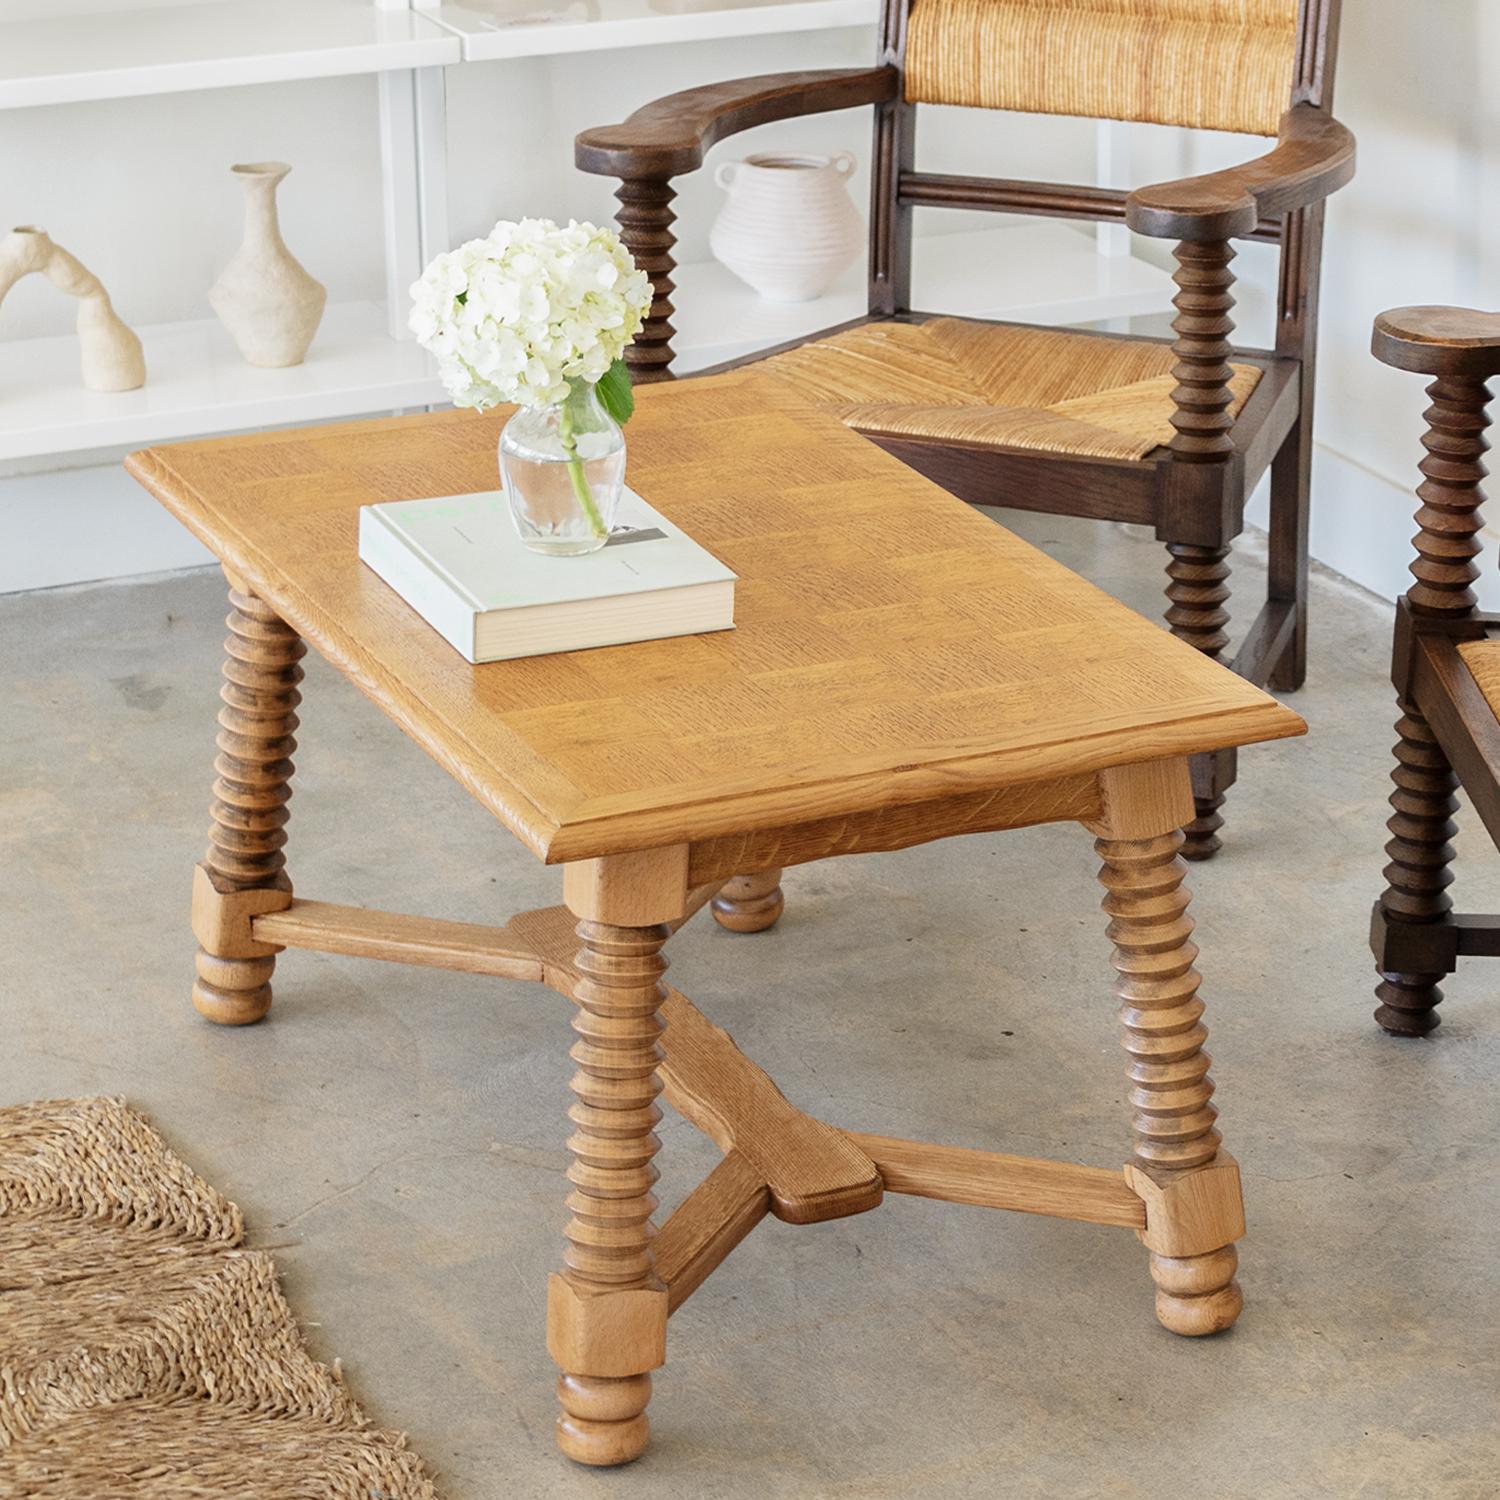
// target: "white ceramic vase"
[[269, 304], [788, 226]]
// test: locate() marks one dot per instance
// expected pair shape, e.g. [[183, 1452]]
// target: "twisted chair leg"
[[253, 786], [1197, 592], [1172, 1117], [645, 217], [1198, 576]]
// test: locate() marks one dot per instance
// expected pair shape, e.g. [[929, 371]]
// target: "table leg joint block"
[[606, 1332], [1143, 800], [223, 917], [1191, 1213]]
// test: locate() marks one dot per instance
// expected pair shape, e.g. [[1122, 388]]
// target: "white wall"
[[1418, 86]]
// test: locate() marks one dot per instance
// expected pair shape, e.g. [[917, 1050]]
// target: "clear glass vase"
[[563, 468]]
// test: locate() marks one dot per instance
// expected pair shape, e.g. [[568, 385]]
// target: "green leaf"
[[615, 395]]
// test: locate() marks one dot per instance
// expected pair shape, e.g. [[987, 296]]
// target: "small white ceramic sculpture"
[[110, 353], [269, 304], [788, 226]]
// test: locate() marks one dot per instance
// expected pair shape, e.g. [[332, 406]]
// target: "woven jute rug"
[[144, 1353]]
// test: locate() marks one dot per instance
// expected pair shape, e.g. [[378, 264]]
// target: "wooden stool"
[[903, 670], [1446, 669]]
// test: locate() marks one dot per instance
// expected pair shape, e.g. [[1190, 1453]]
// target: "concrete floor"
[[399, 1133]]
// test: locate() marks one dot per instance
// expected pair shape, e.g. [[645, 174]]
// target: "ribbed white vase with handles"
[[788, 226], [264, 297]]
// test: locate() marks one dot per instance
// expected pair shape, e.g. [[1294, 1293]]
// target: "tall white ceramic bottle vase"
[[788, 226], [269, 304]]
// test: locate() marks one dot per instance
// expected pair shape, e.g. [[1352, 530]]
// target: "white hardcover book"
[[458, 561]]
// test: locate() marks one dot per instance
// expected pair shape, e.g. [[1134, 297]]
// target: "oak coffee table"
[[902, 670]]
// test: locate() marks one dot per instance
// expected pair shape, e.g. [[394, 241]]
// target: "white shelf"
[[492, 29], [197, 383], [165, 49], [1036, 272]]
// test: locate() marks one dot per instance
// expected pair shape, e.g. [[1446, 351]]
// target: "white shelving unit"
[[362, 361], [492, 29], [197, 383], [169, 49]]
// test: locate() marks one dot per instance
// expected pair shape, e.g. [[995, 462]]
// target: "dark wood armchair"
[[1171, 434], [1446, 669]]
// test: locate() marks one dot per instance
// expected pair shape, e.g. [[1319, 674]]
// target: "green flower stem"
[[566, 436]]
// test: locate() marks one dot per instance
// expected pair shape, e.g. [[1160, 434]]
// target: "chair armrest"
[[670, 135], [1314, 157], [1439, 341]]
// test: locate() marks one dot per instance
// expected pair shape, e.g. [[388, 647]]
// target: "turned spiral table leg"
[[607, 1309], [256, 741], [750, 903], [1191, 1189]]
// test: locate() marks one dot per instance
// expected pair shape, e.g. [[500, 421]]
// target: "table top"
[[892, 645]]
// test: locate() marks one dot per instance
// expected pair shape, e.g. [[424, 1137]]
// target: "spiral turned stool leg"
[[607, 1312], [1192, 1192], [251, 792], [750, 903], [1418, 874], [1423, 801]]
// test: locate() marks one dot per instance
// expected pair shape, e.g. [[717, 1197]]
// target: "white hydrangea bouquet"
[[540, 316]]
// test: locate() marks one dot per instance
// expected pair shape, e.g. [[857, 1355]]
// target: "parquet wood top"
[[892, 646]]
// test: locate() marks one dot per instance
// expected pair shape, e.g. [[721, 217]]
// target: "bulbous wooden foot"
[[1197, 1294], [603, 1420], [750, 903], [232, 991]]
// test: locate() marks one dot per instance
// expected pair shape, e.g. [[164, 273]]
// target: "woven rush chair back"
[[1213, 64], [1228, 65]]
